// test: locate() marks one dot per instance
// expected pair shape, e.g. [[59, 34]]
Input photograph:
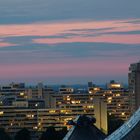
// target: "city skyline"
[[68, 41]]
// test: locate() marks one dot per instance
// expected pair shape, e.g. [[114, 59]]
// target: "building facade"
[[134, 86]]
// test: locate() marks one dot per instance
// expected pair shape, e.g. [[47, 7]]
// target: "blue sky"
[[68, 41]]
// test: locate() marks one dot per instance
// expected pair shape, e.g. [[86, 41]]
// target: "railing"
[[68, 135], [126, 127]]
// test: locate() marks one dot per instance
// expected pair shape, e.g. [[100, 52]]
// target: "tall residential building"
[[134, 86], [38, 107], [111, 104]]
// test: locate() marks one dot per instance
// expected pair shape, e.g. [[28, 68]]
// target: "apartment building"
[[134, 86], [111, 103]]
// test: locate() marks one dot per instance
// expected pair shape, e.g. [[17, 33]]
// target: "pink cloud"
[[70, 68], [46, 29], [6, 44], [124, 39], [62, 69], [54, 29]]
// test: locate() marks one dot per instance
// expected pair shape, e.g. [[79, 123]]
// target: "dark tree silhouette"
[[4, 135], [62, 133], [50, 134], [113, 123], [23, 134]]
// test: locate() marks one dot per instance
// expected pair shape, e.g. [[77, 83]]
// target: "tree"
[[62, 133], [23, 134], [114, 123], [4, 135], [50, 134]]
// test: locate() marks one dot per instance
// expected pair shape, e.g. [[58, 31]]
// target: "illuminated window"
[[115, 85], [109, 101], [21, 94], [90, 106], [63, 111], [1, 112], [52, 111], [68, 98], [117, 95], [30, 116], [90, 92], [123, 113], [109, 98], [59, 103], [35, 127], [67, 119], [75, 102], [91, 98], [39, 124]]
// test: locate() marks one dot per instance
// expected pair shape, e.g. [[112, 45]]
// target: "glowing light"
[[75, 102], [52, 111], [35, 127], [109, 98], [63, 111], [110, 113], [90, 106], [90, 92], [21, 94], [123, 113], [30, 116], [109, 101], [91, 98], [1, 112], [117, 95], [115, 85], [39, 124], [97, 89]]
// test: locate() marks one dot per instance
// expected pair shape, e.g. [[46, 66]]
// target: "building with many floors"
[[39, 107], [134, 86], [111, 103]]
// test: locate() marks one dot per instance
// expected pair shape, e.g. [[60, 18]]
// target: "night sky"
[[68, 41]]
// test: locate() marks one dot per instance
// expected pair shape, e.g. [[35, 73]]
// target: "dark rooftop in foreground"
[[85, 130], [134, 134], [87, 133]]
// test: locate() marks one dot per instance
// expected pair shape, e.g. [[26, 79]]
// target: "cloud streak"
[[44, 29], [69, 50], [120, 39], [60, 69], [6, 44], [112, 31]]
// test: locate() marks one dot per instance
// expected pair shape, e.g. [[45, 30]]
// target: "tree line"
[[25, 134]]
